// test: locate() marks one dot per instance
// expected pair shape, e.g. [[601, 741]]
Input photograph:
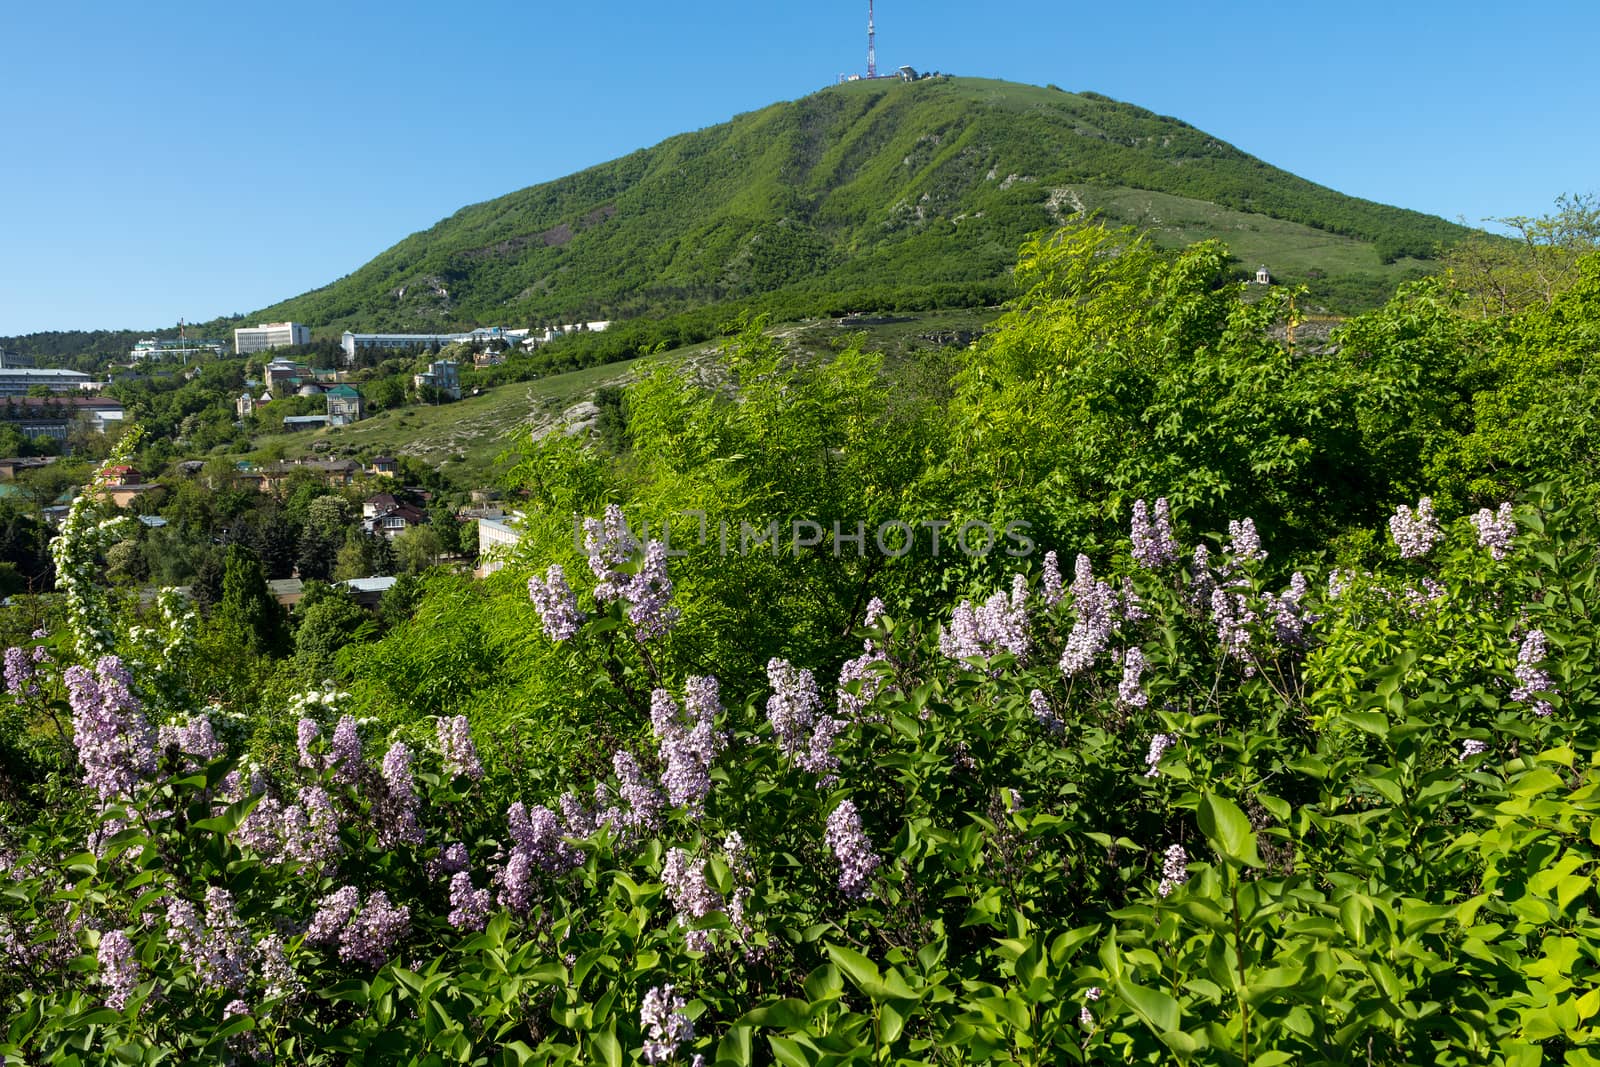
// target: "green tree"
[[247, 614], [417, 548], [329, 620]]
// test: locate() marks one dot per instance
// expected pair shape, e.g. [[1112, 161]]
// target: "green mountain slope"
[[857, 189]]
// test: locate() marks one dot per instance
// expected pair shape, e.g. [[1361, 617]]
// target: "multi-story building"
[[441, 375], [9, 360], [267, 335], [154, 350], [486, 335], [497, 539], [344, 405], [16, 381], [55, 416]]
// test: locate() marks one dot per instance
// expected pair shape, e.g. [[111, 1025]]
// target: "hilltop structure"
[[268, 335]]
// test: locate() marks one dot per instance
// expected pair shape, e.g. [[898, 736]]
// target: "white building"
[[16, 381], [497, 539], [270, 335], [441, 375], [154, 351]]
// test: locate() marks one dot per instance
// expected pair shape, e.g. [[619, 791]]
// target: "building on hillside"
[[409, 342], [125, 484], [285, 375], [344, 405], [10, 467], [55, 416], [159, 350], [267, 335], [368, 592], [441, 375], [292, 423], [385, 467], [11, 360], [16, 381], [533, 340], [393, 521], [1263, 276], [497, 539], [245, 405]]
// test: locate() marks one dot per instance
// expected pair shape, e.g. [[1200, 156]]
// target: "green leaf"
[[860, 970], [1157, 1009], [1229, 832]]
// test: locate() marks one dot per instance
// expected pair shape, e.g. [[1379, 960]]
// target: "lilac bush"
[[1415, 532]]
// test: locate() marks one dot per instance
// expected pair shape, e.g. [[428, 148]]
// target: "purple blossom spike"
[[1496, 530], [375, 932], [1050, 580], [1043, 714], [852, 849], [116, 743], [307, 734], [333, 912], [692, 894], [1128, 690], [1531, 676], [538, 835], [649, 595], [455, 744], [1158, 748], [665, 1023], [396, 809], [1415, 532], [556, 604], [119, 971], [875, 611], [1471, 747], [1093, 605], [1174, 870], [859, 685], [345, 751], [469, 907], [1153, 543], [610, 545], [644, 800], [1244, 544], [20, 673], [1234, 617], [1289, 617], [792, 709], [687, 748]]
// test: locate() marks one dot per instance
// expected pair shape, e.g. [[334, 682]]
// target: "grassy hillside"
[[859, 190]]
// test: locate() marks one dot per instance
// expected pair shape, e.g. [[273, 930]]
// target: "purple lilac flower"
[[272, 962], [1128, 605], [1244, 544], [875, 611], [687, 748], [1289, 617], [197, 738], [692, 894], [1496, 529], [1415, 532], [1531, 677], [451, 859], [333, 912], [1174, 870], [999, 625], [20, 673], [1128, 690], [793, 707], [610, 545], [556, 604], [665, 1023], [310, 828], [1085, 1016], [345, 751], [649, 594], [859, 685], [1043, 714], [538, 835], [644, 800], [115, 742], [1050, 580], [396, 810], [1471, 747], [119, 971], [1158, 748], [1092, 603], [227, 942], [1233, 615], [852, 848], [260, 830], [469, 907], [375, 932], [1201, 580], [455, 743], [236, 1006], [1153, 543], [577, 819], [307, 734], [516, 882]]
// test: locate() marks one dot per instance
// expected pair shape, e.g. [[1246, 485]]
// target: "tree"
[[247, 614], [329, 620], [417, 549], [1500, 275]]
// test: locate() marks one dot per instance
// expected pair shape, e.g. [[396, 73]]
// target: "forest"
[[1140, 684]]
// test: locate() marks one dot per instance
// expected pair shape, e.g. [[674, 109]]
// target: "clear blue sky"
[[168, 159]]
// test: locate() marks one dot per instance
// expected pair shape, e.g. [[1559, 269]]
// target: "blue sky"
[[171, 159]]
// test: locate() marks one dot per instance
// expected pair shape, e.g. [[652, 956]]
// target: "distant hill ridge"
[[854, 192]]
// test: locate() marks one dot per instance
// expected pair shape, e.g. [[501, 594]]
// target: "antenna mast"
[[872, 49]]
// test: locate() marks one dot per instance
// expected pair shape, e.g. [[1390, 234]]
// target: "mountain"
[[857, 196]]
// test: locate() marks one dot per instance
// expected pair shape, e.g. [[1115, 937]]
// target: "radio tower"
[[872, 48]]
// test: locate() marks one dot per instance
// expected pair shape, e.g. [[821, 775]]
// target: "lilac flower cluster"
[[1174, 870], [852, 849], [665, 1023], [116, 743], [306, 735], [273, 967], [395, 810], [1531, 677], [687, 747], [1415, 532], [451, 859], [1201, 580], [1496, 529], [1471, 747], [805, 735], [649, 595], [1085, 1016], [1050, 580], [194, 738], [1234, 616], [21, 673], [1153, 543], [1128, 690], [1289, 616], [218, 946], [859, 684], [455, 745], [1244, 544], [1094, 605], [538, 842], [556, 604], [304, 832], [999, 625], [365, 933], [692, 894], [610, 546], [345, 751], [1158, 748], [469, 907], [1043, 714], [119, 971], [644, 801]]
